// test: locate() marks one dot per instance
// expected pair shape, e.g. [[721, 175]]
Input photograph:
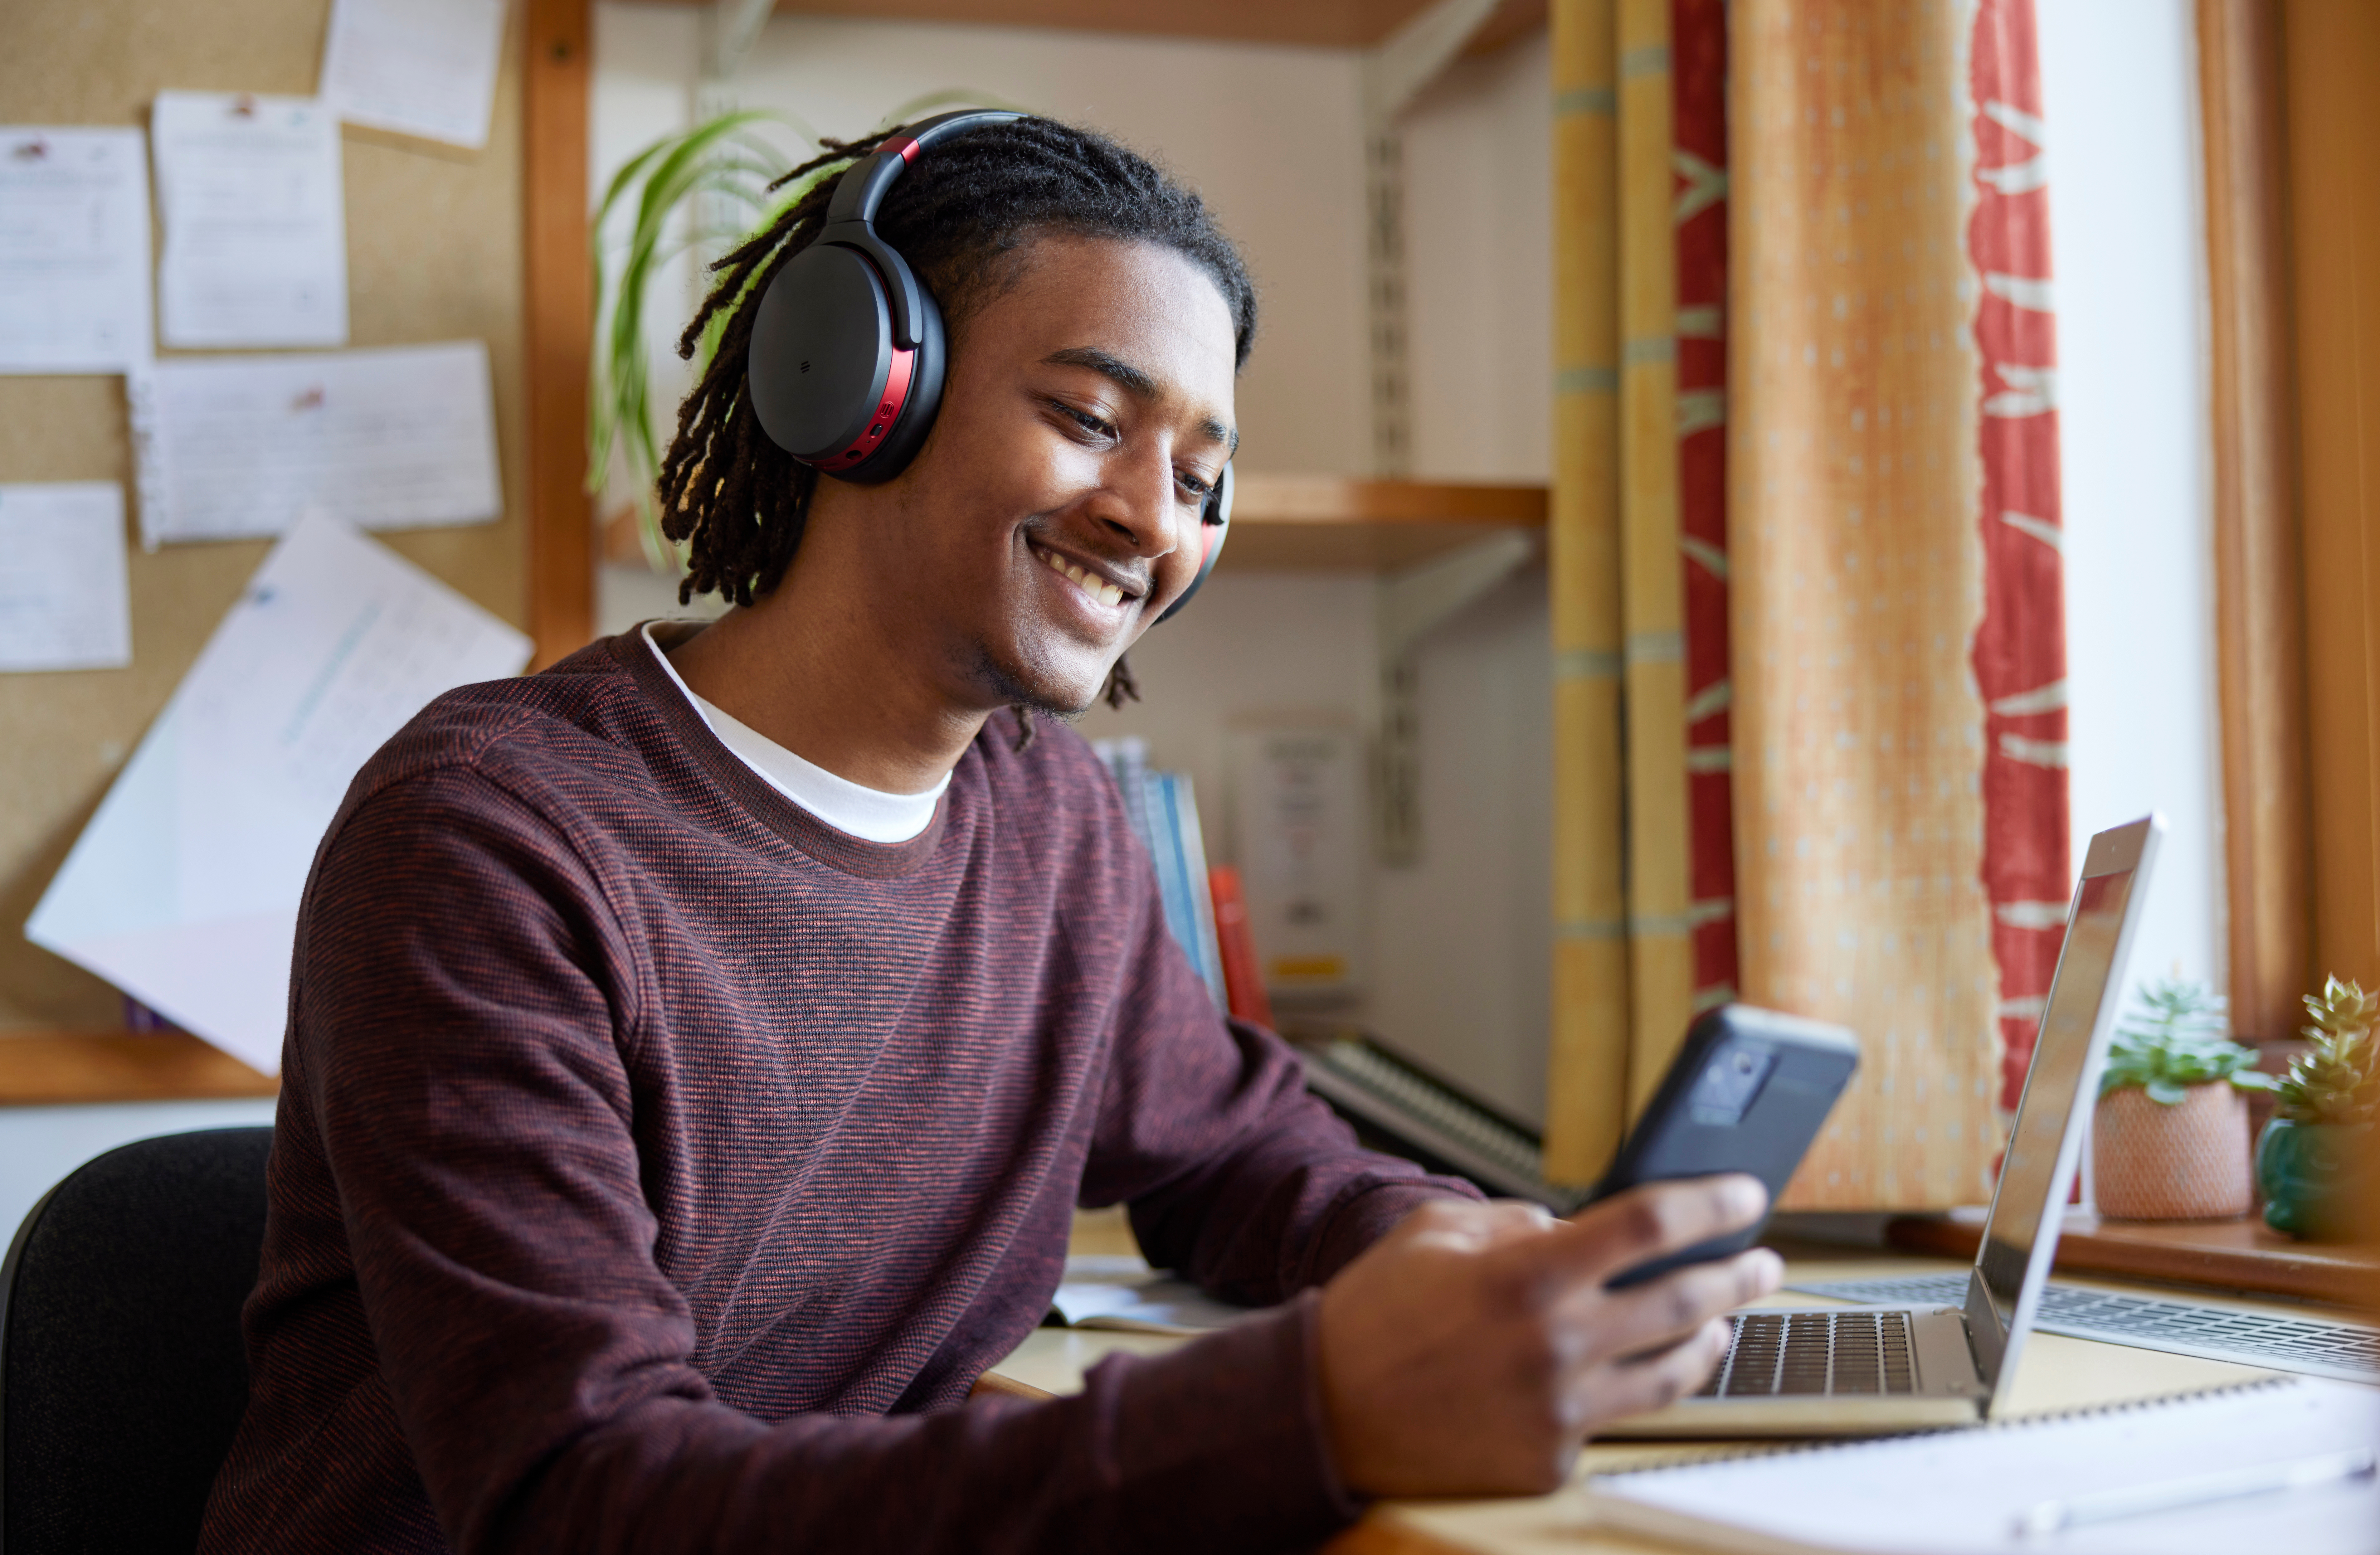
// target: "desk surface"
[[2055, 1373]]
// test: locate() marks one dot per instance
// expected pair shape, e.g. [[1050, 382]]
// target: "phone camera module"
[[1729, 1086]]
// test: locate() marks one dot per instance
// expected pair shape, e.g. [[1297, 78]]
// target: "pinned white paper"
[[390, 439], [183, 890], [74, 249], [256, 221], [65, 597], [424, 67]]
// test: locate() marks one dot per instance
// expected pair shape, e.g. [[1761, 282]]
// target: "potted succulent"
[[2169, 1141], [2307, 1162]]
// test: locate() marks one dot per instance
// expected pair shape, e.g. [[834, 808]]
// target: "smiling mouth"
[[1098, 590]]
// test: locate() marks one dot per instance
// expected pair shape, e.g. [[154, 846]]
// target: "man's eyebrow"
[[1133, 381]]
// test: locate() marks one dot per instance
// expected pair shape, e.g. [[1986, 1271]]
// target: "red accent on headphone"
[[906, 147], [896, 395]]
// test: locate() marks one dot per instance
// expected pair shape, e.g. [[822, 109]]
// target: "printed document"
[[183, 890], [256, 221], [65, 597], [424, 67], [74, 249], [391, 439]]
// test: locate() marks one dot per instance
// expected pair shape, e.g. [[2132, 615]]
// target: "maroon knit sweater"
[[657, 1168]]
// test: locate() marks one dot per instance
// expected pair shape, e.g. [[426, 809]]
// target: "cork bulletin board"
[[436, 241]]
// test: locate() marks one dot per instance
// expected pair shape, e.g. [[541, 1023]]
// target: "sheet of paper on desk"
[[389, 439], [256, 221], [183, 890], [64, 593], [1104, 1291], [424, 67], [74, 249], [1961, 1492]]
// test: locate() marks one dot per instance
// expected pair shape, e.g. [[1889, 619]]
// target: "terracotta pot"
[[2187, 1161]]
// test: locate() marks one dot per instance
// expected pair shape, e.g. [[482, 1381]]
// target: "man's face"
[[1055, 513]]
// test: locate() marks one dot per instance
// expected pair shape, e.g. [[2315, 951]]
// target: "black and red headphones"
[[846, 371]]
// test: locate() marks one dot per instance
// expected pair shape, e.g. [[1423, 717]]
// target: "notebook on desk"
[[2004, 1486], [1848, 1371]]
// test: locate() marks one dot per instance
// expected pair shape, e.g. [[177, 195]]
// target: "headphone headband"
[[859, 194]]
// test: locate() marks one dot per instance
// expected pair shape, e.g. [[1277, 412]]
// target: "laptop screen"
[[2038, 1170]]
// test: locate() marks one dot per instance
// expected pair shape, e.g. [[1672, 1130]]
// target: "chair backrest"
[[122, 1374]]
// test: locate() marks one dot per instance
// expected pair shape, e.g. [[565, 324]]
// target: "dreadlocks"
[[964, 216]]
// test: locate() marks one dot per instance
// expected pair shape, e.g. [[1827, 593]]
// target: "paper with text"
[[183, 890], [424, 67], [65, 596], [74, 249], [391, 439], [256, 221]]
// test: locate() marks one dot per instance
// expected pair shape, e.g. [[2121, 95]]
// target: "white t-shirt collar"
[[870, 814]]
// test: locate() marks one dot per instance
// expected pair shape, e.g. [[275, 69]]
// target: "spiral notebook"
[[1966, 1491]]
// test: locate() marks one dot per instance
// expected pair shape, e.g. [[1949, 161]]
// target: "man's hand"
[[1472, 1348]]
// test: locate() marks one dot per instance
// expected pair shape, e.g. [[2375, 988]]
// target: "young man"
[[697, 1051]]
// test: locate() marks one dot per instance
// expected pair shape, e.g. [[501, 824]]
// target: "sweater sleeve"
[[1238, 1176], [462, 998]]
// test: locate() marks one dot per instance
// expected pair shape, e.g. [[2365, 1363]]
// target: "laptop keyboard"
[[1815, 1354], [2282, 1343]]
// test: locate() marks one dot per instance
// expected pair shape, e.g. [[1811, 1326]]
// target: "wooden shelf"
[[2242, 1255], [1326, 522], [1316, 23], [49, 1068]]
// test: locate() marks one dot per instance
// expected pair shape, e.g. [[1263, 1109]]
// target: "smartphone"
[[1747, 1092]]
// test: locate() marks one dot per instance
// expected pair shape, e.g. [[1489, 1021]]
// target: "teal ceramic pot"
[[2305, 1171]]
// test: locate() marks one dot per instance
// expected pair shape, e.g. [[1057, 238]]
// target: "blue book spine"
[[1207, 954], [1173, 882]]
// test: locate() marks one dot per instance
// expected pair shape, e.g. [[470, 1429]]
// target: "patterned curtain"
[[1808, 617]]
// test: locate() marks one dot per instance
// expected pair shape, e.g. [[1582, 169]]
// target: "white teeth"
[[1082, 577]]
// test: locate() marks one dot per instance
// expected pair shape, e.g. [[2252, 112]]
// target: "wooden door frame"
[[2259, 593]]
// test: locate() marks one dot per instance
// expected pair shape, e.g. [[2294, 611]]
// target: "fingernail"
[[1746, 1196]]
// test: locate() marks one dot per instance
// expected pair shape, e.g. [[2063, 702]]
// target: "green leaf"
[[2166, 1093]]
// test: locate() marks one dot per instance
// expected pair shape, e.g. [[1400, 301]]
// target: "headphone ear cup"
[[917, 416], [821, 352], [1214, 527]]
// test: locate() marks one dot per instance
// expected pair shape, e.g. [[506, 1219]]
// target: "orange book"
[[1241, 981]]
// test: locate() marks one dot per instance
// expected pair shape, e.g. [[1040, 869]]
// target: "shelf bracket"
[[1411, 604], [1393, 74]]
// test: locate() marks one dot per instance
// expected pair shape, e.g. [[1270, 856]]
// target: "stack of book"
[[1203, 904]]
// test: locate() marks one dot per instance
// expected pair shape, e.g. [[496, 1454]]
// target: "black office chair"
[[122, 1375]]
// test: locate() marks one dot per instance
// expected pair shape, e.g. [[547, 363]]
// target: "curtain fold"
[[1810, 702], [1587, 1049]]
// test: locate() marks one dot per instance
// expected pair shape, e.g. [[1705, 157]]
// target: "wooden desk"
[[2056, 1373]]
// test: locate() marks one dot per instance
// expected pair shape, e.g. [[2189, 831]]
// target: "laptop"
[[1856, 1370]]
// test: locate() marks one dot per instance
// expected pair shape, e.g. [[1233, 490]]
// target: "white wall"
[[1479, 249], [1272, 137], [2119, 85]]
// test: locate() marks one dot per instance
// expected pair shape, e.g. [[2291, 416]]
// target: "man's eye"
[[1193, 488], [1084, 419]]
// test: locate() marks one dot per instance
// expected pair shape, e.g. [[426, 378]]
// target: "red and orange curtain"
[[1810, 702]]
